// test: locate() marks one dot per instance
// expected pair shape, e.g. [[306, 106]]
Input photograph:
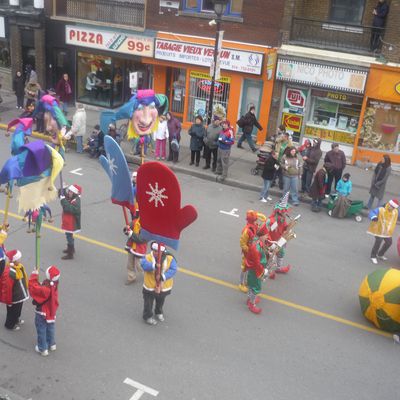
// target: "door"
[[251, 96]]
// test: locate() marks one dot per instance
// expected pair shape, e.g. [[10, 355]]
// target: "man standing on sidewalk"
[[337, 158], [211, 143], [225, 141], [247, 123]]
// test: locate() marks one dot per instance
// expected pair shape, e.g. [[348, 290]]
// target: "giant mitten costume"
[[159, 198]]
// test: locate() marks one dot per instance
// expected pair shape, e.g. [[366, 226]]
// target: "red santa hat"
[[52, 274], [75, 189], [13, 255], [394, 203]]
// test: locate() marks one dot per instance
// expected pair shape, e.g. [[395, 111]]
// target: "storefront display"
[[381, 126]]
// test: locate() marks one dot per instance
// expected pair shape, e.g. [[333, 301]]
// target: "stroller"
[[262, 155], [353, 211]]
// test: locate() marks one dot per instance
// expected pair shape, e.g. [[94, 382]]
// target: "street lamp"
[[219, 9]]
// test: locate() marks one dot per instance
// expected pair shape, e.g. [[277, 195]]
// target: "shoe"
[[271, 275], [160, 317], [16, 327], [191, 163], [327, 196], [70, 253], [206, 167], [269, 198], [151, 321], [197, 164], [254, 150], [263, 200], [383, 258], [20, 322], [253, 308], [283, 270], [296, 204], [239, 147], [214, 169], [396, 338], [53, 347], [17, 107], [243, 288], [374, 260], [218, 173], [43, 353]]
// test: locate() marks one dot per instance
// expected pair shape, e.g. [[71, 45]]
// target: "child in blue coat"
[[344, 186]]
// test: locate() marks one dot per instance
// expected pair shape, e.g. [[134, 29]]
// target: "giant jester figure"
[[142, 110]]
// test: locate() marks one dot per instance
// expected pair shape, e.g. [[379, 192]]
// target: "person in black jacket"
[[19, 89], [247, 123], [380, 13], [270, 167]]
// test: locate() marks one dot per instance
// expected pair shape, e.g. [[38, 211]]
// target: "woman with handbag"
[[174, 129]]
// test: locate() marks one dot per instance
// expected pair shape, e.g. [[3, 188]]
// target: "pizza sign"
[[295, 98]]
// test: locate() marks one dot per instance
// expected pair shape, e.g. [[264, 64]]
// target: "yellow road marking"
[[221, 282]]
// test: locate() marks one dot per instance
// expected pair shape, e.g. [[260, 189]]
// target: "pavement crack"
[[13, 345]]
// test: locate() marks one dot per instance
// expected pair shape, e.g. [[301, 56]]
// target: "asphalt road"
[[210, 346]]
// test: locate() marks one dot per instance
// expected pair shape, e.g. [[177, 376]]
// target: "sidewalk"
[[241, 161]]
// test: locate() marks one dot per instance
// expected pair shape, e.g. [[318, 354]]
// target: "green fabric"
[[375, 279], [393, 296], [386, 323], [263, 259], [282, 150], [74, 209], [364, 303], [253, 282]]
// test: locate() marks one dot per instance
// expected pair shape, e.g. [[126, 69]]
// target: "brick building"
[[167, 46], [330, 54]]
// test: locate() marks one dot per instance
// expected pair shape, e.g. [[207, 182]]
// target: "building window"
[[234, 7], [5, 60], [348, 12]]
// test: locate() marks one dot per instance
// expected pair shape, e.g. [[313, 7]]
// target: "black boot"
[[70, 253]]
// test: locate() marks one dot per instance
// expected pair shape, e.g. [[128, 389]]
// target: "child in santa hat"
[[14, 289], [45, 298], [71, 217]]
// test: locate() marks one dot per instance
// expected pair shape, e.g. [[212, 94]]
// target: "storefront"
[[107, 64], [379, 132], [182, 71], [323, 101], [5, 59]]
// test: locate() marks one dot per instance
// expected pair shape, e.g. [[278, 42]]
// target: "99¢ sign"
[[118, 42]]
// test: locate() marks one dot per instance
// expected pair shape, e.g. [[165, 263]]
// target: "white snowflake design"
[[111, 164], [157, 195]]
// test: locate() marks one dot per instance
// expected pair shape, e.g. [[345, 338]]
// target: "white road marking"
[[231, 213], [76, 171], [141, 389]]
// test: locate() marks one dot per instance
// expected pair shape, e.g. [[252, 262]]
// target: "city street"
[[310, 342]]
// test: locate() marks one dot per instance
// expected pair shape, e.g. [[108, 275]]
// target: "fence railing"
[[335, 36], [129, 13]]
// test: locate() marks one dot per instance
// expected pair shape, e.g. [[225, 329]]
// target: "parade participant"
[[136, 248], [14, 289], [45, 298], [256, 263], [249, 232], [71, 217], [277, 225], [383, 223], [168, 270]]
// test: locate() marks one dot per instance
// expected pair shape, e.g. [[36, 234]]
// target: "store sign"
[[2, 28], [397, 88], [329, 134], [321, 75], [292, 122], [190, 53], [295, 98], [112, 41], [205, 86], [202, 75], [349, 98]]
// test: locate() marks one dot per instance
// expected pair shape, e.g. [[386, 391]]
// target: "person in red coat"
[[64, 92], [318, 187], [71, 217], [45, 298]]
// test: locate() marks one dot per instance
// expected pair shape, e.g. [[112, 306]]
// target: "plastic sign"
[[295, 98], [397, 88], [292, 122], [118, 42]]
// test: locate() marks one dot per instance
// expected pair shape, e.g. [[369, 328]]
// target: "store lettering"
[[169, 46], [336, 96], [138, 46], [86, 37], [321, 74]]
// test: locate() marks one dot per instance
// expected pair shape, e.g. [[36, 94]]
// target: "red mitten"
[[159, 197]]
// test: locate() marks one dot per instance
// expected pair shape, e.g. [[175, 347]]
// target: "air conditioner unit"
[[169, 6]]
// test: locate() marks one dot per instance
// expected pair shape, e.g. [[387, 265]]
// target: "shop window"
[[199, 94], [233, 8], [334, 116], [347, 12], [177, 90], [381, 126], [5, 60], [100, 80]]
